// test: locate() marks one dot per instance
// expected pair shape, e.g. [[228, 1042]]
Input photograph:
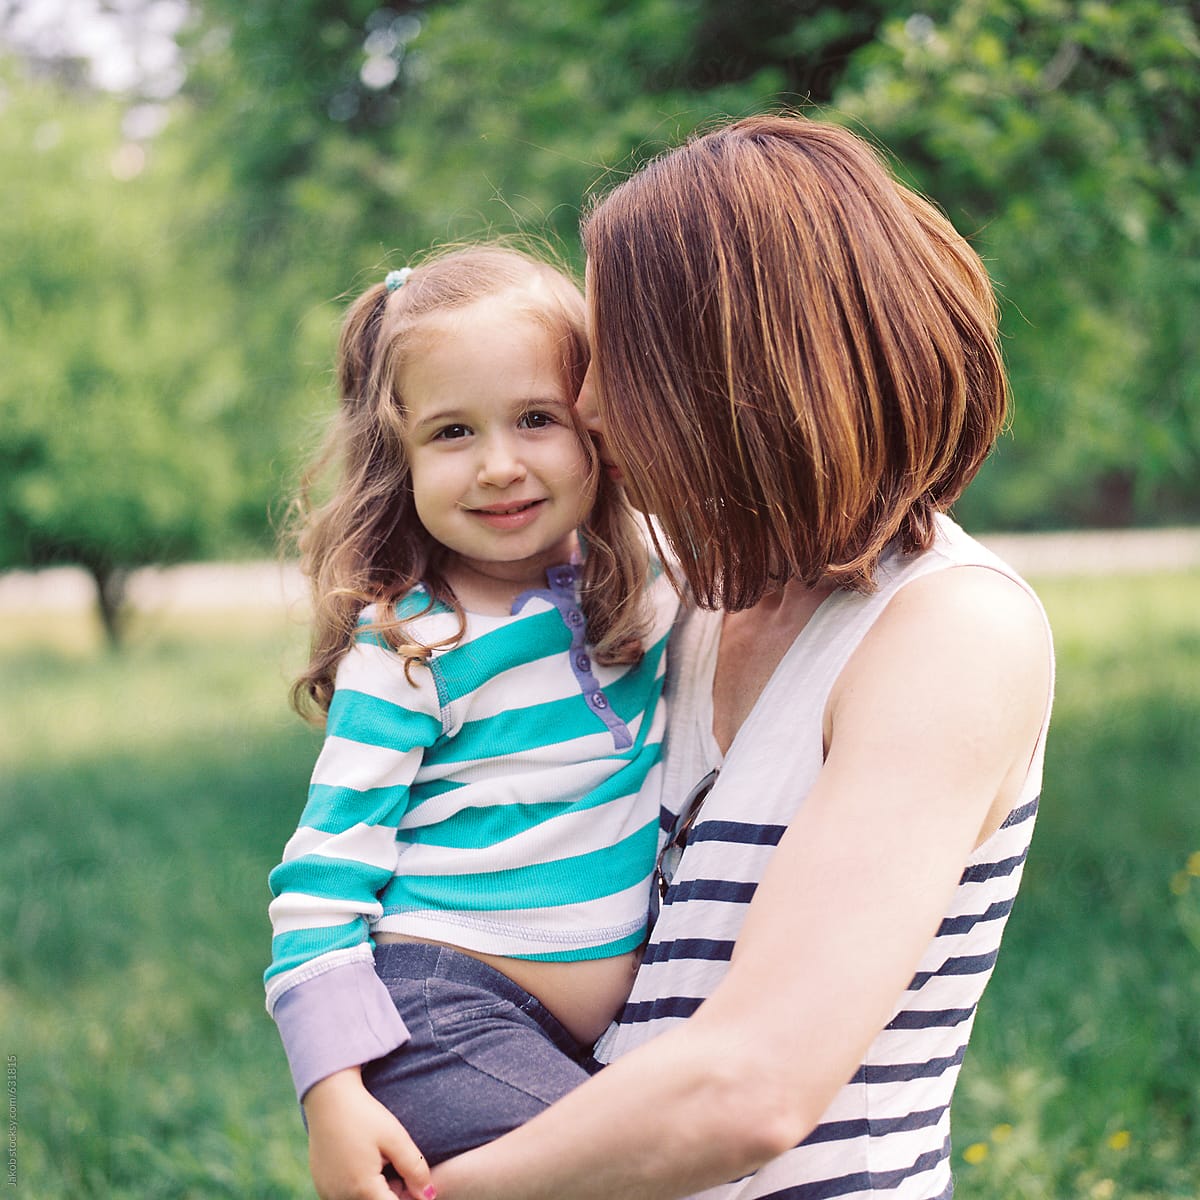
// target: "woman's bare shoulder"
[[968, 638], [971, 595]]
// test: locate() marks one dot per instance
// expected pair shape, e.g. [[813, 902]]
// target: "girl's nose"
[[586, 406], [499, 466]]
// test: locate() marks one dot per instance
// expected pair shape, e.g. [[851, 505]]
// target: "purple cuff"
[[341, 1018]]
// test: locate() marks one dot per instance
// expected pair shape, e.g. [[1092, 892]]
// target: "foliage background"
[[176, 253]]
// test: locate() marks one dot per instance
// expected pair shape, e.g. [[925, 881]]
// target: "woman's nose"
[[586, 406]]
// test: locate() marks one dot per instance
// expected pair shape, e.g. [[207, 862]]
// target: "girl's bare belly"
[[585, 996]]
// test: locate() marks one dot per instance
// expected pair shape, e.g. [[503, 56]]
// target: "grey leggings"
[[484, 1055]]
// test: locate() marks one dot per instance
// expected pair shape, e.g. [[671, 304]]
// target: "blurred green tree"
[[115, 444], [422, 119], [1063, 134]]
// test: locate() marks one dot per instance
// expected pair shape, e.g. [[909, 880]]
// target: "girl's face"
[[499, 475]]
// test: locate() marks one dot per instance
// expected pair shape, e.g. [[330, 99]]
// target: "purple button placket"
[[562, 594]]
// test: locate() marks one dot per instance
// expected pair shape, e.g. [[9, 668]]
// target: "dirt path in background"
[[272, 585]]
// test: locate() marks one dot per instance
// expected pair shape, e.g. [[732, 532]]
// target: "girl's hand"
[[352, 1138]]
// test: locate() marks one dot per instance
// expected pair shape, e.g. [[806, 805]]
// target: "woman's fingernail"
[[430, 1193]]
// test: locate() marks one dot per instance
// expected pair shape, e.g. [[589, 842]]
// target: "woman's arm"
[[932, 726]]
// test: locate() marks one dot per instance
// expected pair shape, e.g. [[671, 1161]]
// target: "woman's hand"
[[352, 1138]]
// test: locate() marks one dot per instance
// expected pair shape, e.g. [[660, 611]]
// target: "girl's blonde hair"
[[364, 544], [795, 355]]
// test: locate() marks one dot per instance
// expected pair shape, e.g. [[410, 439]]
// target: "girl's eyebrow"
[[442, 417], [546, 402]]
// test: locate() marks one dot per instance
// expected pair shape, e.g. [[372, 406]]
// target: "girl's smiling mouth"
[[508, 516]]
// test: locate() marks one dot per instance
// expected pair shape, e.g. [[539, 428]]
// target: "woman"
[[795, 369]]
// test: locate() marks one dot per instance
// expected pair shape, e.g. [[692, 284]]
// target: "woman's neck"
[[753, 642]]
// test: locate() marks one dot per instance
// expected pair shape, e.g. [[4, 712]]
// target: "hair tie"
[[397, 279]]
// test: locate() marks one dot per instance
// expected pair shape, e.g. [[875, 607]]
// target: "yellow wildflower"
[[1193, 863], [1002, 1133], [1120, 1140], [976, 1153]]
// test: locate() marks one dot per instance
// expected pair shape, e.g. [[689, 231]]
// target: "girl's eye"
[[536, 420], [451, 432]]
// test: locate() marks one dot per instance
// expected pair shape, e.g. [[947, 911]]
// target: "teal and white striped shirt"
[[505, 801]]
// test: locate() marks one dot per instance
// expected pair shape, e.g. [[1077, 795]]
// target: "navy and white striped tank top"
[[887, 1132]]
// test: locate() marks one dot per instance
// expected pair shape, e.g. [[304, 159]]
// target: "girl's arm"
[[932, 727], [333, 1011], [331, 1008]]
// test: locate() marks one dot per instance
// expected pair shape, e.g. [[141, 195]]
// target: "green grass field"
[[144, 797]]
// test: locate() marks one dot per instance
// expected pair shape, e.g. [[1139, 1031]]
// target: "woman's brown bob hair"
[[795, 355]]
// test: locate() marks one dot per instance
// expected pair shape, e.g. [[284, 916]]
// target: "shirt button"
[[574, 616], [583, 662], [598, 700]]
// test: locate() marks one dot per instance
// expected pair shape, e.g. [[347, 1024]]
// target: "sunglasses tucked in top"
[[672, 851]]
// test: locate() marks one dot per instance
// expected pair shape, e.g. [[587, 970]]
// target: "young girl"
[[459, 913]]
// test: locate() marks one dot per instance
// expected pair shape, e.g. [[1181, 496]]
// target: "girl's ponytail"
[[358, 344], [361, 544]]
